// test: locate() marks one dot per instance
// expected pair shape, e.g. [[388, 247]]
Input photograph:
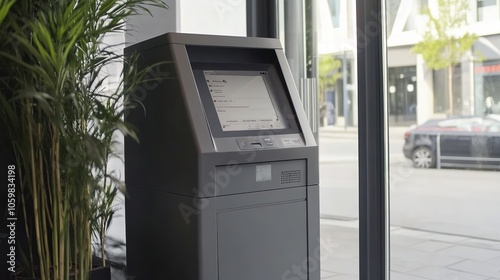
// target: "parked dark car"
[[469, 142]]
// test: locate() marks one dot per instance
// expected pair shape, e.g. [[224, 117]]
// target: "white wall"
[[222, 17], [143, 27], [113, 71], [425, 96]]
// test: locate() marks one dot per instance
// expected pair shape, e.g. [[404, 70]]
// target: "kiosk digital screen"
[[243, 100]]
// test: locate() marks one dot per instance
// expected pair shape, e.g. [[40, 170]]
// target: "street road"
[[454, 201]]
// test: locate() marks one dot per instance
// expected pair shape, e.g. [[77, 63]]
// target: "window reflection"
[[443, 226], [335, 12], [417, 7], [402, 95], [440, 88], [487, 89], [445, 162]]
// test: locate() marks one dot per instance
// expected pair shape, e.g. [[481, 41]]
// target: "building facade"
[[415, 92]]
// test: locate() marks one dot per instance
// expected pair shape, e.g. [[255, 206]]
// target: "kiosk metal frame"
[[210, 202]]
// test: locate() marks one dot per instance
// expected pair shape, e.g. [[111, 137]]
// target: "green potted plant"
[[61, 120]]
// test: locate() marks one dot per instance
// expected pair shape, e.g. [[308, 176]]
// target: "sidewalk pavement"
[[415, 255]]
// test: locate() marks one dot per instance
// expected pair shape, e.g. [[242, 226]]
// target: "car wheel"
[[423, 157]]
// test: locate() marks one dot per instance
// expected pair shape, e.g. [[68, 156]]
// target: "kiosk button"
[[267, 141]]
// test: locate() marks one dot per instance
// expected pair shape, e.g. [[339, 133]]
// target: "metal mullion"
[[262, 18], [373, 146]]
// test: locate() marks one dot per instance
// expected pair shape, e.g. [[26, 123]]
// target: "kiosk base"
[[262, 235]]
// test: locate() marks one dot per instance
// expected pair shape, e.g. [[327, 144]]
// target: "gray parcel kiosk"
[[223, 184]]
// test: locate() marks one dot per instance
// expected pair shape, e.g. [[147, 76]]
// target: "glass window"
[[441, 94], [417, 8], [487, 87], [338, 146], [443, 167], [443, 221], [392, 11], [402, 94], [487, 10], [335, 12]]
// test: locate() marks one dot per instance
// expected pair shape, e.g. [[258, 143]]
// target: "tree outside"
[[328, 73], [445, 39]]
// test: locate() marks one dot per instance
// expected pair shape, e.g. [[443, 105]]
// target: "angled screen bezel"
[[279, 94]]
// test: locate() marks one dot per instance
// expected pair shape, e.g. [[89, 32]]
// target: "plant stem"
[[103, 256], [34, 187], [75, 242], [44, 207], [28, 234], [104, 216]]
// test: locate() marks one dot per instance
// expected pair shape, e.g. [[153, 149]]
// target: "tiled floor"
[[415, 255]]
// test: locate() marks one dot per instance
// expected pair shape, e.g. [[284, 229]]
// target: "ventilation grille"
[[291, 176]]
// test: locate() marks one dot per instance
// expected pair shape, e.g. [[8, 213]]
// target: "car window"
[[494, 128], [449, 124], [494, 117], [464, 124], [491, 125]]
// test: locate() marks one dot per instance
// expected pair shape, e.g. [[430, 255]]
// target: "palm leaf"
[[5, 8], [55, 58]]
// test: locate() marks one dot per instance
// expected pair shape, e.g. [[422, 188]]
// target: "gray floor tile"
[[423, 258], [471, 253], [415, 255], [400, 240], [431, 246], [408, 232], [481, 268], [344, 277], [344, 251], [341, 266], [487, 244], [444, 237], [495, 261], [402, 265], [392, 228], [339, 233], [341, 223], [328, 242], [403, 276], [440, 273], [326, 274]]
